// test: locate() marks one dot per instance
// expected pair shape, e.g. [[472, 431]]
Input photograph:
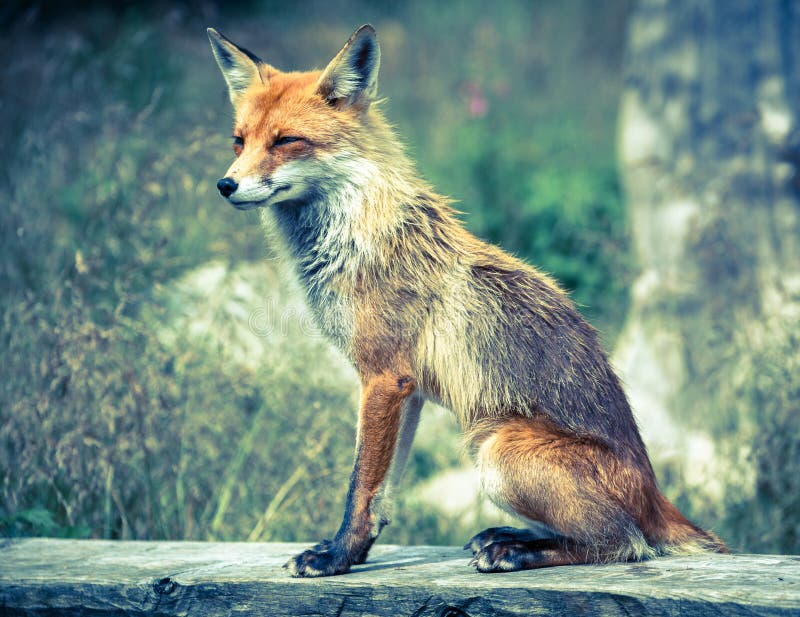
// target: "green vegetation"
[[120, 417]]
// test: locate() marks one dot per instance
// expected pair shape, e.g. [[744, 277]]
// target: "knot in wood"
[[164, 586]]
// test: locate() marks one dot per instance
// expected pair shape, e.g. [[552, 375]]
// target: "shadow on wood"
[[92, 577]]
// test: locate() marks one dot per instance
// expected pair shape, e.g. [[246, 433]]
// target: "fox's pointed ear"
[[352, 76], [239, 67]]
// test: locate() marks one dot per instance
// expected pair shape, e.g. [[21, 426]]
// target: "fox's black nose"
[[227, 186]]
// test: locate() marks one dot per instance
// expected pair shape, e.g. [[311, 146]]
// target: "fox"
[[426, 311]]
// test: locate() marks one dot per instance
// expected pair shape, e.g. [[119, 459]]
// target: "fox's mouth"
[[258, 203], [248, 205]]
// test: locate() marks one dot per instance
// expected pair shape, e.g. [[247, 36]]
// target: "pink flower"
[[477, 104]]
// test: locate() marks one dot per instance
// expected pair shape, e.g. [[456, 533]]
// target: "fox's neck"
[[345, 231], [346, 225]]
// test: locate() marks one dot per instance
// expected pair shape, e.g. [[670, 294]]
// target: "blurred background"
[[162, 377]]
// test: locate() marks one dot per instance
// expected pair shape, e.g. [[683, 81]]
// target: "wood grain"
[[41, 576]]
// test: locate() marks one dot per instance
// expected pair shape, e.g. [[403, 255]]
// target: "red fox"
[[424, 310]]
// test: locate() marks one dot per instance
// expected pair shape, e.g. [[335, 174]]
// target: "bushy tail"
[[674, 534]]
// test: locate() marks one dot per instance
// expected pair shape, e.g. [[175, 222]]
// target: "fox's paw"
[[324, 559], [502, 557], [496, 534]]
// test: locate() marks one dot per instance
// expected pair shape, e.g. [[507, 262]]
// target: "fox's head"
[[297, 135]]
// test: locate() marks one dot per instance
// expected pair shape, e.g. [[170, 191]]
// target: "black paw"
[[495, 534], [502, 557], [324, 559]]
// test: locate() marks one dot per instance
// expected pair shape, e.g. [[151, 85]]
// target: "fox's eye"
[[287, 139], [238, 144]]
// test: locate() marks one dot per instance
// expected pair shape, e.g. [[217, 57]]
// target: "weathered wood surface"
[[80, 577]]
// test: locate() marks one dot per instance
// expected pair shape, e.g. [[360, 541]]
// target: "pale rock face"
[[457, 492], [251, 311], [648, 365]]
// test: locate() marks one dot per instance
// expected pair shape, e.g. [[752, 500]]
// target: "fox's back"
[[499, 338]]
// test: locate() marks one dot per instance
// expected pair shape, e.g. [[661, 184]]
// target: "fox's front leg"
[[378, 426]]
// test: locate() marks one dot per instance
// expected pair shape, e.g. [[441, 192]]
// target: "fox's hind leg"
[[589, 496]]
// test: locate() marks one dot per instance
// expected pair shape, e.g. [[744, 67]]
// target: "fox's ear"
[[352, 76], [238, 66]]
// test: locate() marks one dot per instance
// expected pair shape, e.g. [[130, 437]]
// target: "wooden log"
[[92, 577]]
